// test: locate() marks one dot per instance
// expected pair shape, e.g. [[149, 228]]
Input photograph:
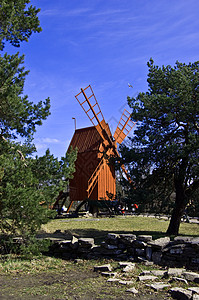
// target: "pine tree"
[[165, 149], [25, 182]]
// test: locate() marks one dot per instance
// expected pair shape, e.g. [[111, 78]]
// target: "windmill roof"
[[86, 139]]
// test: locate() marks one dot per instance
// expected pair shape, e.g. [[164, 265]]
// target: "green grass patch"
[[99, 228]]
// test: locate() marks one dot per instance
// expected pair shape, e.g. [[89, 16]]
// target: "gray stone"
[[195, 242], [182, 239], [121, 246], [132, 290], [175, 271], [103, 268], [108, 246], [158, 272], [78, 261], [158, 286], [195, 260], [148, 253], [156, 257], [74, 243], [127, 238], [191, 276], [86, 242], [159, 243], [141, 259], [180, 293], [129, 268], [123, 264], [144, 238], [177, 250], [112, 238], [109, 274], [126, 282], [145, 272], [113, 280], [140, 252], [194, 289], [195, 297], [179, 280], [139, 244], [148, 263], [147, 277]]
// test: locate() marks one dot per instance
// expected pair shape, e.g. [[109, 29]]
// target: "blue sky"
[[105, 43]]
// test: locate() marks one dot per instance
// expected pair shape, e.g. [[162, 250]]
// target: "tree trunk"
[[180, 204]]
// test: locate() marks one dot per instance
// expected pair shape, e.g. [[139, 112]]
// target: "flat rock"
[[103, 268], [109, 246], [182, 239], [139, 244], [159, 243], [194, 289], [126, 282], [179, 280], [180, 293], [175, 271], [144, 238], [86, 242], [191, 276], [158, 272], [145, 272], [113, 280], [123, 264], [127, 238], [158, 286], [195, 242], [109, 274], [132, 290], [128, 268], [147, 277]]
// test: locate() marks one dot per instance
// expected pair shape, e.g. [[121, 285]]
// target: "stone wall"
[[181, 252]]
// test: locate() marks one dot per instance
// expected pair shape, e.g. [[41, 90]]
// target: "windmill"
[[94, 177]]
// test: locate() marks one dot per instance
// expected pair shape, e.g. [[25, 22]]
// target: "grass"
[[98, 228]]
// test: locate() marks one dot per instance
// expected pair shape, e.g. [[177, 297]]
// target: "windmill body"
[[94, 177]]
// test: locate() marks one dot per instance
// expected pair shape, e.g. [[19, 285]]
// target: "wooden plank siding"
[[89, 144]]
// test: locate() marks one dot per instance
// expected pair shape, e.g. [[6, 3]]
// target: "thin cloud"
[[64, 13]]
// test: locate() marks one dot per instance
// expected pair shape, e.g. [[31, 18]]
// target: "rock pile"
[[157, 280], [181, 252]]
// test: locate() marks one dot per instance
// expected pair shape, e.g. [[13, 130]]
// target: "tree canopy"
[[25, 181], [17, 21], [164, 151]]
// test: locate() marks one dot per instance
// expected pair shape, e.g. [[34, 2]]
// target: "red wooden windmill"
[[94, 178]]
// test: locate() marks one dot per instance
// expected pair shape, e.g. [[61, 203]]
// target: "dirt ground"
[[66, 285]]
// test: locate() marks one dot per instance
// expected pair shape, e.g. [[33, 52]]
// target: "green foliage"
[[53, 175], [25, 185], [25, 182], [16, 22], [164, 152], [17, 114]]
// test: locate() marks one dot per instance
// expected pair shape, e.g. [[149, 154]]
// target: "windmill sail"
[[88, 102], [124, 127]]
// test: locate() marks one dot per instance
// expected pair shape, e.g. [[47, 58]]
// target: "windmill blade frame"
[[94, 113], [124, 126]]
